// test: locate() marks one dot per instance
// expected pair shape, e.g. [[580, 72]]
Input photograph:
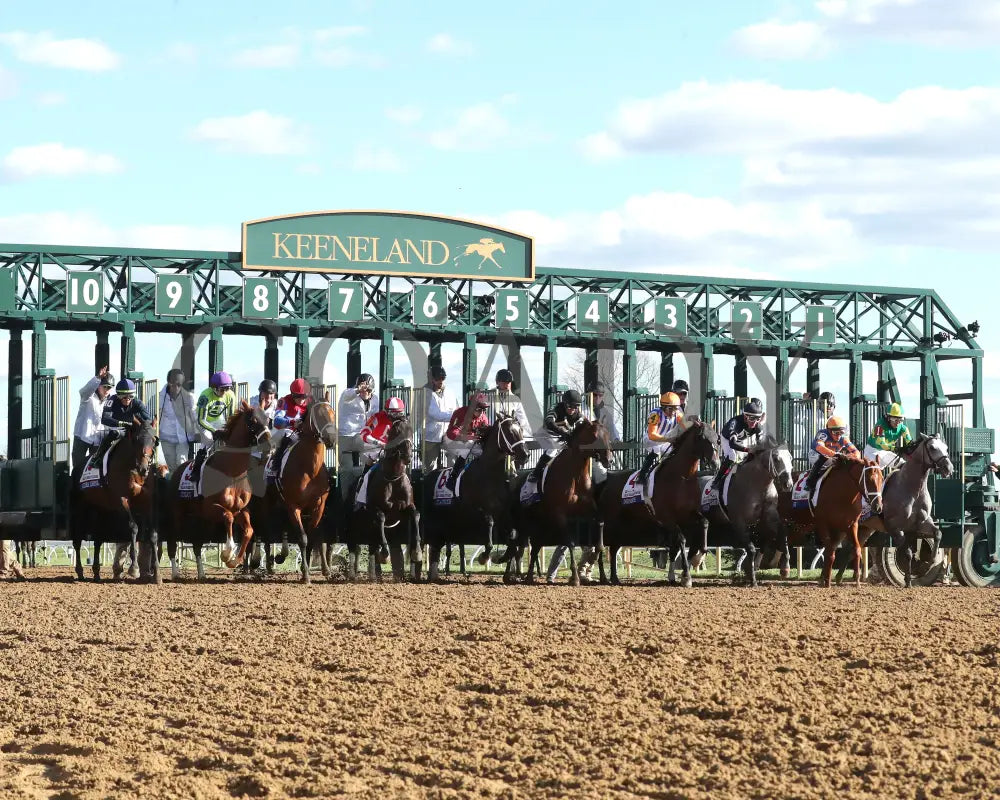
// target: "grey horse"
[[907, 501], [753, 501]]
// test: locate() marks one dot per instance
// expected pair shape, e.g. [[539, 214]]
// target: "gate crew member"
[[739, 436], [463, 427], [354, 409], [560, 422], [177, 426], [681, 389], [88, 430], [266, 400], [508, 403], [888, 437], [375, 434], [828, 443], [216, 406], [119, 411], [661, 429], [441, 404], [290, 414]]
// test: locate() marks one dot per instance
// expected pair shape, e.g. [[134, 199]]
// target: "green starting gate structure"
[[424, 281]]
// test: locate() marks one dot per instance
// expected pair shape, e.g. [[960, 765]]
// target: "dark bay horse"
[[389, 505], [226, 492], [567, 493], [676, 501], [121, 508], [305, 485], [484, 504], [838, 509]]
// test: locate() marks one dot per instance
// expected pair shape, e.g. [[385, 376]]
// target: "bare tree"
[[610, 372]]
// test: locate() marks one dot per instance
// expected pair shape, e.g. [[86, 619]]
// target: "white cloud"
[[404, 115], [447, 45], [51, 99], [782, 40], [258, 132], [54, 159], [270, 56], [478, 127], [43, 48], [368, 158]]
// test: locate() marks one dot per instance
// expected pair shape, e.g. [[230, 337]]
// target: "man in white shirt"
[[441, 404], [88, 430], [178, 425], [506, 402], [353, 410]]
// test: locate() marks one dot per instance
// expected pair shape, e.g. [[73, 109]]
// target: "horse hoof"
[[686, 584], [785, 573]]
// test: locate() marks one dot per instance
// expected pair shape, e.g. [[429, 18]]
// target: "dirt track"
[[448, 691]]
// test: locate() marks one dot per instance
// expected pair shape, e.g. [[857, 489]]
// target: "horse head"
[[872, 481], [932, 452], [594, 437], [248, 424], [778, 461], [321, 421], [706, 440], [143, 438], [399, 444], [510, 439]]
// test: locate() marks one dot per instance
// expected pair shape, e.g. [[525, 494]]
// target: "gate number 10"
[[84, 293]]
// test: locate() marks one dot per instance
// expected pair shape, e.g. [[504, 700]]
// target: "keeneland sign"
[[387, 243]]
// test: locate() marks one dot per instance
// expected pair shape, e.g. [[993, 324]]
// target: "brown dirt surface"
[[482, 690]]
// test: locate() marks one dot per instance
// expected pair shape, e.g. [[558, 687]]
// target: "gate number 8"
[[259, 298]]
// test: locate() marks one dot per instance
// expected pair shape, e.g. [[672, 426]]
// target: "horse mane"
[[231, 424]]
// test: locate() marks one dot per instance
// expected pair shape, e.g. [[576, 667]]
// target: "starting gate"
[[243, 391], [806, 418], [151, 396]]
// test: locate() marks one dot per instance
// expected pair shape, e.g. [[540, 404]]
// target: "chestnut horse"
[[676, 500], [305, 484], [226, 492], [838, 509], [123, 501]]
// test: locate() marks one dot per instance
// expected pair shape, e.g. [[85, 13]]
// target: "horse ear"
[[326, 397], [244, 405], [713, 424]]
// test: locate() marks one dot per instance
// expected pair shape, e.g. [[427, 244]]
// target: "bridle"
[[313, 426], [503, 442], [146, 455], [868, 494], [936, 464]]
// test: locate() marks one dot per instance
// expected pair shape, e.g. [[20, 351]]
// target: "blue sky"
[[850, 141]]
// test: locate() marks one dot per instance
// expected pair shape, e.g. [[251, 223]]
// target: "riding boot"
[[721, 474], [536, 474], [109, 438], [199, 460], [647, 467], [279, 451], [813, 476], [456, 470]]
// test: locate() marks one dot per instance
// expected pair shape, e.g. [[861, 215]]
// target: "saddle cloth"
[[273, 471], [361, 498], [632, 490], [800, 497], [93, 474], [710, 497], [186, 488], [532, 493], [443, 496]]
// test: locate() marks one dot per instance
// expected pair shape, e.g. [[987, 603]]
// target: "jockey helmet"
[[752, 412], [108, 380], [478, 399], [299, 386], [267, 386], [571, 397], [669, 400], [438, 373], [505, 376], [221, 380], [125, 386], [835, 423], [681, 386], [828, 398], [394, 406], [895, 410], [365, 380]]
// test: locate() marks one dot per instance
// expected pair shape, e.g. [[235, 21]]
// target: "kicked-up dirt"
[[483, 690]]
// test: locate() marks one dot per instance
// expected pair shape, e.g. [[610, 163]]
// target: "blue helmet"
[[125, 386], [220, 380]]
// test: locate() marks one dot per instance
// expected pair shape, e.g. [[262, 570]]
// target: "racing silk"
[[214, 411], [827, 445], [739, 436], [290, 414], [116, 415], [885, 438], [376, 430], [559, 424], [659, 425], [461, 429]]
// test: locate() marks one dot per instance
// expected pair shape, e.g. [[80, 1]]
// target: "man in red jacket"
[[289, 415], [465, 424], [375, 434]]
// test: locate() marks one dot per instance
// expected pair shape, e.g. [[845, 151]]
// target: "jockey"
[[353, 409], [506, 402], [216, 405], [289, 415], [738, 435], [375, 433], [661, 430], [465, 424], [829, 442], [681, 389], [266, 400], [560, 422], [119, 411], [889, 435]]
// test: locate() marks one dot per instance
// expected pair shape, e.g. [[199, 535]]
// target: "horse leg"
[[447, 560], [383, 543], [396, 559], [175, 569], [354, 553], [417, 553], [574, 572], [199, 562], [461, 560], [96, 566], [433, 568], [77, 545], [295, 515], [826, 537], [533, 562], [678, 547], [484, 557], [133, 557], [857, 555]]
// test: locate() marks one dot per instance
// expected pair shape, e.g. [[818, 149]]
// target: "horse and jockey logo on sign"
[[485, 248]]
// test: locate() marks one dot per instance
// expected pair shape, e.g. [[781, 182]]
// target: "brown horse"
[[838, 509], [567, 493], [676, 501], [305, 484], [122, 502], [226, 492], [389, 505]]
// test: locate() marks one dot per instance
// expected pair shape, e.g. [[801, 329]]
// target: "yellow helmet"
[[669, 399], [835, 422], [895, 410]]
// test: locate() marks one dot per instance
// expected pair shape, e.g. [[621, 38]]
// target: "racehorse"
[[389, 503], [123, 500], [484, 502], [676, 500], [226, 491], [907, 500], [838, 508], [304, 484], [567, 492], [752, 502]]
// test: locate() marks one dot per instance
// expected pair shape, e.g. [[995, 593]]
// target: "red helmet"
[[395, 405], [478, 399], [299, 386]]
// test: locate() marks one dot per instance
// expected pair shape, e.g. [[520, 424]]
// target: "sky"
[[844, 141]]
